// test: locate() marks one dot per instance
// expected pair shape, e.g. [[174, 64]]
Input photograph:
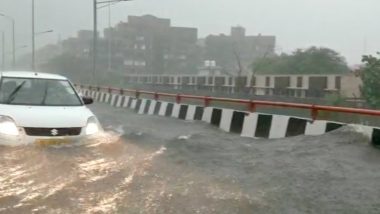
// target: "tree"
[[370, 74], [310, 61]]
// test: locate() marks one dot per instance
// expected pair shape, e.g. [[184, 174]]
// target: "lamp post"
[[34, 37], [109, 39], [20, 47], [12, 20], [33, 40], [3, 51], [34, 47], [43, 32], [95, 39]]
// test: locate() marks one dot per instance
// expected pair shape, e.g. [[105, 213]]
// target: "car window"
[[40, 92]]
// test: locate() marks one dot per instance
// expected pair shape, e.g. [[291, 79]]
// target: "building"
[[209, 69], [236, 52], [151, 45], [143, 44], [81, 45], [147, 44], [294, 85]]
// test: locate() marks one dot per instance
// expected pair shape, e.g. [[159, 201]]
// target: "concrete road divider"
[[246, 124]]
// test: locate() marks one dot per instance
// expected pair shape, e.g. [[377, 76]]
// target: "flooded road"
[[150, 164]]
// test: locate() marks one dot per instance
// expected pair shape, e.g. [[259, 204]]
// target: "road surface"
[[151, 164]]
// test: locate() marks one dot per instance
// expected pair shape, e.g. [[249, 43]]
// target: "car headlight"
[[92, 126], [8, 126]]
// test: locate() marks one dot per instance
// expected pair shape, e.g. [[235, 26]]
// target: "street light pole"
[[13, 39], [33, 40], [95, 40], [109, 39], [3, 51], [34, 37], [13, 45], [43, 32]]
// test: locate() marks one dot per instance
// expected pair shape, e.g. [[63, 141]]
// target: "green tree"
[[370, 74], [310, 61]]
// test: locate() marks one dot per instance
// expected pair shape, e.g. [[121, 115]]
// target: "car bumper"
[[45, 141]]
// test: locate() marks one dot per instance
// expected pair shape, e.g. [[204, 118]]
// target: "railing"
[[251, 104]]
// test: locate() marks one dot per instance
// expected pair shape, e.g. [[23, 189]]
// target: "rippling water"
[[186, 167], [88, 178]]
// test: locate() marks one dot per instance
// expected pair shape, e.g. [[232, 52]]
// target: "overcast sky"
[[348, 26]]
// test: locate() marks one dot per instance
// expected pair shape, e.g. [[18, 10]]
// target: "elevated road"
[[151, 164]]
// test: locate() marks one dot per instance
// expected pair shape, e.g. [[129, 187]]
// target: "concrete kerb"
[[246, 124]]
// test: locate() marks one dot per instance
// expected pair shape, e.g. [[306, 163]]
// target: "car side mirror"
[[87, 100]]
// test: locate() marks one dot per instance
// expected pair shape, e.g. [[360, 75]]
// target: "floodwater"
[[150, 164]]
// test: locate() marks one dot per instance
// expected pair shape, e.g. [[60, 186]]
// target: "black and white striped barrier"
[[246, 124]]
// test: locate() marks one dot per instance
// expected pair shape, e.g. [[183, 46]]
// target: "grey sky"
[[349, 26]]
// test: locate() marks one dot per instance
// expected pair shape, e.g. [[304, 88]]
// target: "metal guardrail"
[[251, 104]]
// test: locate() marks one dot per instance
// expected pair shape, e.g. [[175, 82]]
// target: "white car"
[[43, 109]]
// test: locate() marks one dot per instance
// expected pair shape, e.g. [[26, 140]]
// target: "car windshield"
[[38, 92]]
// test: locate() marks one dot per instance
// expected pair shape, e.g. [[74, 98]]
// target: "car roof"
[[34, 75]]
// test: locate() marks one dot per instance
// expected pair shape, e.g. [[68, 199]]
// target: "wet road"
[[149, 164]]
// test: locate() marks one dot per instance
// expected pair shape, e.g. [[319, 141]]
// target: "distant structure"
[[292, 85], [147, 44], [150, 45], [236, 52], [209, 68], [143, 44], [79, 46]]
